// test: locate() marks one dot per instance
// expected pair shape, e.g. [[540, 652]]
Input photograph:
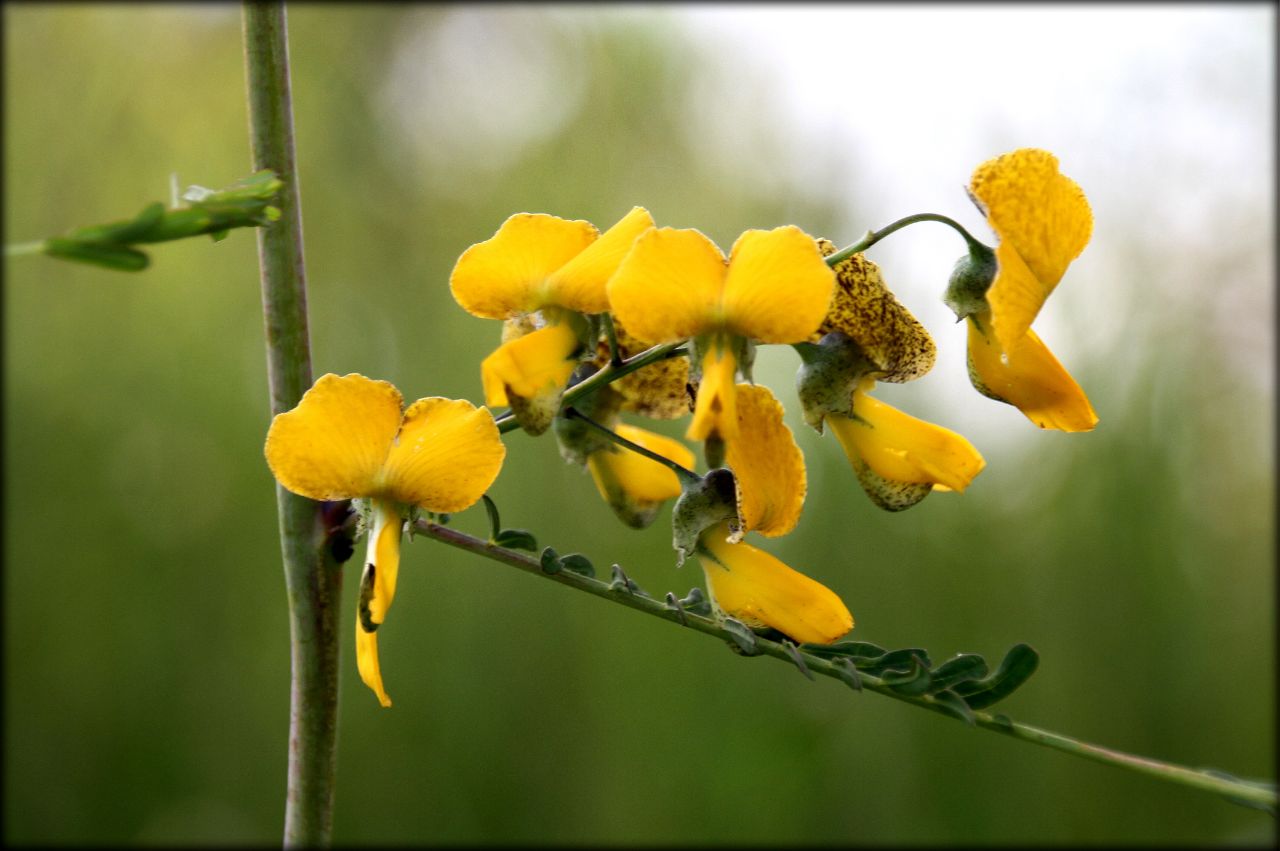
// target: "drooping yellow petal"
[[902, 448], [759, 590], [767, 464], [715, 410], [508, 273], [634, 486], [446, 456], [367, 663], [1039, 215], [332, 445], [530, 366], [864, 309], [1032, 380], [668, 286], [580, 284], [778, 287], [377, 590]]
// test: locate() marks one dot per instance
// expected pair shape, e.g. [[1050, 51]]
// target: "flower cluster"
[[657, 322]]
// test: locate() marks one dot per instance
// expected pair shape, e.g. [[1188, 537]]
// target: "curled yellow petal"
[[778, 287], [901, 448], [529, 366], [634, 486], [885, 331], [332, 445], [446, 456], [668, 286], [509, 273], [759, 590], [377, 590], [1043, 222], [767, 464], [1031, 379], [715, 410], [580, 284]]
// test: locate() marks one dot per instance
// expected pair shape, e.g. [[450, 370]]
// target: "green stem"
[[873, 237], [683, 472], [312, 579], [1237, 791], [615, 355], [608, 373]]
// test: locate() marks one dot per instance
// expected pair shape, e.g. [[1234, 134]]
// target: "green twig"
[[312, 579], [1238, 791], [681, 471], [873, 237]]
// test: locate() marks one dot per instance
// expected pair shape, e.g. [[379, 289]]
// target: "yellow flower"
[[349, 438], [767, 465], [554, 267], [898, 458], [635, 486], [761, 591], [676, 284], [1043, 222]]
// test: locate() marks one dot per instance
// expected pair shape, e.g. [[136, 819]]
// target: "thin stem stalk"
[[873, 237], [681, 471], [312, 579], [1238, 791]]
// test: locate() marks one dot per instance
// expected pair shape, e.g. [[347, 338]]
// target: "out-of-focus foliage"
[[146, 643]]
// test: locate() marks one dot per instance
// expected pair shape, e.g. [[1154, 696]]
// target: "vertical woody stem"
[[312, 579]]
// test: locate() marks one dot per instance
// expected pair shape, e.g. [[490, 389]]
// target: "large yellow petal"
[[580, 284], [759, 590], [902, 448], [1032, 380], [715, 409], [767, 464], [529, 366], [668, 286], [446, 456], [508, 273], [778, 286], [1043, 217], [634, 486], [886, 332], [332, 445]]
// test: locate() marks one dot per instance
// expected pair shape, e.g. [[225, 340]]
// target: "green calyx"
[[830, 372], [970, 279], [704, 503]]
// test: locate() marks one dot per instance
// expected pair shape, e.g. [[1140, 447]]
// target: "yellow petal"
[[377, 590], [332, 445], [759, 590], [865, 310], [668, 286], [508, 273], [367, 662], [767, 464], [529, 366], [1032, 380], [902, 448], [635, 486], [778, 286], [1038, 214], [715, 410], [580, 284], [446, 456]]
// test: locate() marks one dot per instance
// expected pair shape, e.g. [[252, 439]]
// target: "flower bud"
[[970, 279]]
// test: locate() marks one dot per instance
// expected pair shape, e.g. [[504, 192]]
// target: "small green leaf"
[[549, 561], [579, 564], [798, 659], [853, 649], [517, 539], [694, 603], [848, 672], [913, 682], [742, 636], [495, 524], [897, 660], [1018, 665], [118, 257], [959, 668], [954, 705]]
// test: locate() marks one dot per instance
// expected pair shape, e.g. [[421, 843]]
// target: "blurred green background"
[[146, 640]]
